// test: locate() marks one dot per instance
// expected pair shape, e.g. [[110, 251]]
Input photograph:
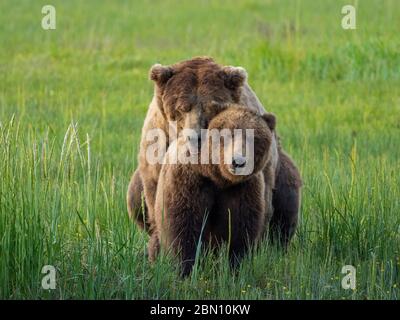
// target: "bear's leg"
[[153, 247], [241, 212], [269, 182], [136, 203], [286, 201], [183, 200]]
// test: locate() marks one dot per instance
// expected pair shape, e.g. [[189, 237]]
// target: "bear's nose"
[[239, 162]]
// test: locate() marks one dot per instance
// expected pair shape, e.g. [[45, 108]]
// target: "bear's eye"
[[173, 116]]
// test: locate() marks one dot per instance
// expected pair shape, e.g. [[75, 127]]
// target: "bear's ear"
[[270, 120], [160, 74], [234, 77]]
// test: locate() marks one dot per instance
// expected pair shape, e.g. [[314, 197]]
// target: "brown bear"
[[220, 196], [286, 198], [183, 93]]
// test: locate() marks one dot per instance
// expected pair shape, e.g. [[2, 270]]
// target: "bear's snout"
[[238, 162]]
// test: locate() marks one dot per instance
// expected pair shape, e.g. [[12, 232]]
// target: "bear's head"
[[239, 144], [185, 92]]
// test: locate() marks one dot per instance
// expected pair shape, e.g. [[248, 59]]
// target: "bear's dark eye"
[[177, 114], [173, 116]]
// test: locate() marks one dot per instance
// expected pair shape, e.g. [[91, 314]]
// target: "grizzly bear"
[[183, 93], [221, 199]]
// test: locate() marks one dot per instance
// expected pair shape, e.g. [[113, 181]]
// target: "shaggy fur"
[[285, 200], [192, 197], [184, 92], [137, 208]]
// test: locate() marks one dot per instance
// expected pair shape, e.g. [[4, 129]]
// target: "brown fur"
[[136, 203], [285, 200], [185, 92], [195, 197], [181, 92]]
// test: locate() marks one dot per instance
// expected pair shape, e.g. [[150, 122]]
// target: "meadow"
[[72, 104]]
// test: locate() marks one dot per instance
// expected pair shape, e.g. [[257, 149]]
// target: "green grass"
[[72, 103]]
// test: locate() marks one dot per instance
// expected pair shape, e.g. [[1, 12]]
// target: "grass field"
[[72, 103]]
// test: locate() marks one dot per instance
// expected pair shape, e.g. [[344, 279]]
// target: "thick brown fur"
[[136, 203], [285, 201], [208, 202], [185, 92]]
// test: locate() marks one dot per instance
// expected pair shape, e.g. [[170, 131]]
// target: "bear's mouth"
[[238, 171], [235, 171], [232, 170]]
